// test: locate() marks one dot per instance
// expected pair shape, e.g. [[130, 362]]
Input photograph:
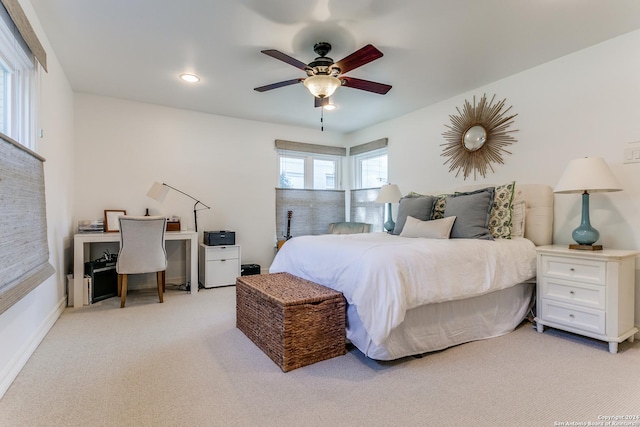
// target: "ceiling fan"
[[324, 76]]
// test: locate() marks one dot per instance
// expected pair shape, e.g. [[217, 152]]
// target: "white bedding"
[[383, 276]]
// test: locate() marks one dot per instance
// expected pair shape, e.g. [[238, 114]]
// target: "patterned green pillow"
[[501, 211], [439, 206]]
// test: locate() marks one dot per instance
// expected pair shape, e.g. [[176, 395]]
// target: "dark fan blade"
[[321, 102], [277, 85], [285, 58], [380, 88], [359, 58]]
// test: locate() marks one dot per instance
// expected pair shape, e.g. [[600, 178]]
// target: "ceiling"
[[433, 49]]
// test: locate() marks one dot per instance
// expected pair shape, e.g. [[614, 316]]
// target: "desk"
[[82, 241]]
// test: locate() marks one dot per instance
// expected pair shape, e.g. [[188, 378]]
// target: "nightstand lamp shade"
[[389, 194], [586, 175]]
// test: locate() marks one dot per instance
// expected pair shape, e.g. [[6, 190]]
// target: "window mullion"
[[308, 172]]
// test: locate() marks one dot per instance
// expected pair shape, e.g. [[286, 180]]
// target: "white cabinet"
[[219, 265], [587, 292]]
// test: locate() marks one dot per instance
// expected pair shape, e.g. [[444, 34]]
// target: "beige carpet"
[[183, 363]]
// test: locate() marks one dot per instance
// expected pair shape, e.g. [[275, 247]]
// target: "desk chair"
[[141, 250]]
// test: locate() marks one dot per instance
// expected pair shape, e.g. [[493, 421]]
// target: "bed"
[[409, 296]]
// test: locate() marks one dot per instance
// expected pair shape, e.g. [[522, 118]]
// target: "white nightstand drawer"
[[221, 252], [584, 294], [583, 270], [221, 272], [574, 317]]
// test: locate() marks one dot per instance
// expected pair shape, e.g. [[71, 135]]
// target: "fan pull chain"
[[321, 119]]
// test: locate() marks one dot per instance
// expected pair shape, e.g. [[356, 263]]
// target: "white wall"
[[122, 147], [25, 324], [581, 105]]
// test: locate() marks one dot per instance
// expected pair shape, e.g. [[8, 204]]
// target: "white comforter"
[[383, 275]]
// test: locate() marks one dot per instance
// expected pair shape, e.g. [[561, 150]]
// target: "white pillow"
[[518, 219], [434, 229]]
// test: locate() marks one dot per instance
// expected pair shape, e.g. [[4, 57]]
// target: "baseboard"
[[11, 371]]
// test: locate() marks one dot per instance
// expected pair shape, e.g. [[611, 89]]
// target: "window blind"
[[365, 209], [303, 147], [312, 210], [26, 30], [24, 250], [369, 146]]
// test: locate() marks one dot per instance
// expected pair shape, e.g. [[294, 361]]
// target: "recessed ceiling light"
[[330, 107], [191, 78]]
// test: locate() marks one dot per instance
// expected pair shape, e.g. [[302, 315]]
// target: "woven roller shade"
[[24, 251], [26, 30], [364, 208], [369, 146], [312, 210], [303, 147]]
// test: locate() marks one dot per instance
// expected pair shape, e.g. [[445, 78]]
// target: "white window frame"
[[357, 166], [309, 159], [19, 106]]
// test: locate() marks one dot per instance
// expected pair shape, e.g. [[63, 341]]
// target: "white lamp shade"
[[389, 193], [591, 174], [322, 86], [158, 192]]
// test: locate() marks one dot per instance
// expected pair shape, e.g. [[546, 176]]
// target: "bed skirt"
[[438, 326]]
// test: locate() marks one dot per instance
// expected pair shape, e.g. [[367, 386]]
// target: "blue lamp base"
[[389, 225], [585, 235]]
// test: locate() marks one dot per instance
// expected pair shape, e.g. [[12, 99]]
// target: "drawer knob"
[[572, 293], [573, 270], [571, 316]]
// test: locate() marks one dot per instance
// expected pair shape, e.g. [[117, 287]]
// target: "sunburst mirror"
[[477, 137]]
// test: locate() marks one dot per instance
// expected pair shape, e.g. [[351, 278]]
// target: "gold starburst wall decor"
[[477, 137]]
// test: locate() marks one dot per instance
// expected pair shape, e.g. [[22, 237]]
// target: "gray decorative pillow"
[[417, 207], [472, 214]]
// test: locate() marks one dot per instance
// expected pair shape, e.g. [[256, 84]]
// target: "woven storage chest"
[[294, 321]]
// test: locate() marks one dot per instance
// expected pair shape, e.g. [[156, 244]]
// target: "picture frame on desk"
[[111, 223]]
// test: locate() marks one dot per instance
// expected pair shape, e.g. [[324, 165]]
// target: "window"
[[309, 170], [309, 166], [309, 187], [370, 164], [371, 169], [17, 84], [24, 262], [370, 172]]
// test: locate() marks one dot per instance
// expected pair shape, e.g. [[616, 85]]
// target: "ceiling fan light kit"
[[322, 86]]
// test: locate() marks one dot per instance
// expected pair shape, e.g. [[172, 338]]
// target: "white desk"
[[82, 241]]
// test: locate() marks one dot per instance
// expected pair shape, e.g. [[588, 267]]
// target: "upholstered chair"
[[348, 228], [142, 250]]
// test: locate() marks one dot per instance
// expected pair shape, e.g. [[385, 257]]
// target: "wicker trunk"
[[294, 321]]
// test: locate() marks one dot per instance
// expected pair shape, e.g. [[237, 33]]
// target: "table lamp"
[[389, 194], [158, 192], [587, 175]]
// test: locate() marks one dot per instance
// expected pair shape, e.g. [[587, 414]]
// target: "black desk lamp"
[[158, 192]]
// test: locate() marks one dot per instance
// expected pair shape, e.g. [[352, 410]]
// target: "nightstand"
[[590, 293], [219, 265]]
